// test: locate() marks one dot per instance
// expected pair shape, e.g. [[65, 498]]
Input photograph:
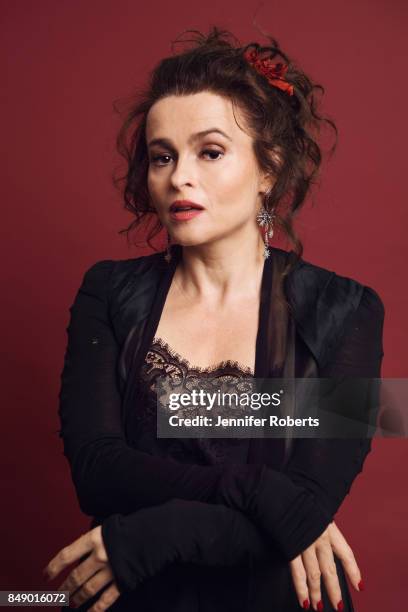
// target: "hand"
[[318, 560], [90, 576]]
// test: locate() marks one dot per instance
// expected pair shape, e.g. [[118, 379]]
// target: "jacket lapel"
[[321, 303]]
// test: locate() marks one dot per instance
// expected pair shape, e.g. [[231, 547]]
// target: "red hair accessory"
[[273, 71]]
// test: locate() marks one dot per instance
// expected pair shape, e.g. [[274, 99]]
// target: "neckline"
[[260, 369], [226, 363]]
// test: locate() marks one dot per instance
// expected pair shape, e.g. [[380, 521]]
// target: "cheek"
[[234, 187], [151, 182], [237, 177], [155, 187], [228, 183]]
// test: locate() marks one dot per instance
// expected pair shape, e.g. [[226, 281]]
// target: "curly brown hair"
[[279, 123]]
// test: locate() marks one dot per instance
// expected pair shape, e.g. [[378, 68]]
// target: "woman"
[[210, 524]]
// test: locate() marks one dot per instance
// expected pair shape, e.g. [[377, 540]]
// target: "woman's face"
[[218, 171]]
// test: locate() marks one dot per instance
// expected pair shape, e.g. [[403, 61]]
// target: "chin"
[[187, 237], [187, 243]]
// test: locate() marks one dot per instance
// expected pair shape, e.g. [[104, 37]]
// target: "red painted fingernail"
[[340, 605], [306, 604], [320, 606], [361, 585]]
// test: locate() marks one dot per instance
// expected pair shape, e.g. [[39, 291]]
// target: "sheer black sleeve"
[[109, 475], [142, 544], [328, 467]]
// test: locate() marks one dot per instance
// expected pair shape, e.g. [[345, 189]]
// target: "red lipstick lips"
[[183, 210]]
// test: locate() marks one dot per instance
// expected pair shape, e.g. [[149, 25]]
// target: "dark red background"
[[63, 65]]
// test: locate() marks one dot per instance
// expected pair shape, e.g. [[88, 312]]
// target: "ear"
[[267, 178], [265, 183]]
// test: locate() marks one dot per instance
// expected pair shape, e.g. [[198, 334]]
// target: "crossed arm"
[[249, 506]]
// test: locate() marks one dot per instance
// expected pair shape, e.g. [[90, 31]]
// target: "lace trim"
[[161, 360], [227, 363]]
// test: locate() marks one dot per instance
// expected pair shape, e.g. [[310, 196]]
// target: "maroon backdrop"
[[63, 65]]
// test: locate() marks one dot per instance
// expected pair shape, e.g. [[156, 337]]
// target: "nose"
[[183, 172]]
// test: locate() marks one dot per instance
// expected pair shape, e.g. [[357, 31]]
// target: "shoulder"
[[312, 283], [326, 304], [371, 303], [130, 266], [111, 275]]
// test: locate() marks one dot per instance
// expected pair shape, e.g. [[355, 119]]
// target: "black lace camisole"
[[162, 360]]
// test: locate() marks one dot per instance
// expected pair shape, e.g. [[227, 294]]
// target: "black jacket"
[[196, 537]]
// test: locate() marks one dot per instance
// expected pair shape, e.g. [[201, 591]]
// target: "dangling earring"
[[167, 256], [266, 219]]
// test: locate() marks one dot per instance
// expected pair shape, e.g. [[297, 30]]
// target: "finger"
[[313, 575], [99, 580], [343, 551], [328, 569], [68, 555], [106, 599], [299, 581], [81, 574]]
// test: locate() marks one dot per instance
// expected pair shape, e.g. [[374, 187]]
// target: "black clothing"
[[161, 359], [219, 536]]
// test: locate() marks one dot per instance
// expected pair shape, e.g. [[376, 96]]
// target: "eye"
[[213, 152], [156, 159]]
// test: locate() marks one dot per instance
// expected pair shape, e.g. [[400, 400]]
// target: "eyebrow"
[[193, 137]]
